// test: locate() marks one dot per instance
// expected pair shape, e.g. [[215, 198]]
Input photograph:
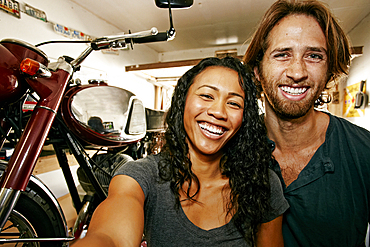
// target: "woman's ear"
[[256, 73]]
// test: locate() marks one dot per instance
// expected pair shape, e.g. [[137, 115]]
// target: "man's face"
[[294, 69]]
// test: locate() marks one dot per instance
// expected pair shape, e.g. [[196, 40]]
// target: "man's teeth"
[[212, 128], [293, 90]]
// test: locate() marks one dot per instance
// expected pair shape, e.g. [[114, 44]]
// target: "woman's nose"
[[297, 70], [217, 109]]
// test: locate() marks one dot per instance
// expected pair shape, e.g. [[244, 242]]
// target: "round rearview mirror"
[[174, 3]]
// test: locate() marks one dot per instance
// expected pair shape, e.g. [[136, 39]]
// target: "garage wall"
[[110, 67], [359, 70]]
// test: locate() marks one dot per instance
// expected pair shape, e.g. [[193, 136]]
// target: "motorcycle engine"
[[104, 168]]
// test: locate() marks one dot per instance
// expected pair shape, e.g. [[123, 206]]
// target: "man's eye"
[[315, 56], [281, 55]]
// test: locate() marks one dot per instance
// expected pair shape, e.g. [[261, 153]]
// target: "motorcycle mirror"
[[174, 3]]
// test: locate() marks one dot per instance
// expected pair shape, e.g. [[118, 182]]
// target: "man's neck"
[[296, 134], [296, 140]]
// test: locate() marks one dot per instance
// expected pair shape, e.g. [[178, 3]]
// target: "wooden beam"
[[163, 65], [356, 50]]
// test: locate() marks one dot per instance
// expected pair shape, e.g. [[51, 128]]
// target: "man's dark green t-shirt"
[[330, 199]]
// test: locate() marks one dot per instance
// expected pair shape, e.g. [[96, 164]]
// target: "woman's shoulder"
[[276, 188], [149, 164], [278, 204], [274, 179]]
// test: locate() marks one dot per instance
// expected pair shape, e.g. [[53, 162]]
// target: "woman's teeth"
[[294, 90], [212, 128]]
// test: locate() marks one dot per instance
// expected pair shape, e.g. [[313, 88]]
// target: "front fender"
[[38, 186]]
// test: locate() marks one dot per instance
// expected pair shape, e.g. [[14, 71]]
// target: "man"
[[323, 161]]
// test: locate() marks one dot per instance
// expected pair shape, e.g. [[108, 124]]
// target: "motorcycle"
[[68, 116]]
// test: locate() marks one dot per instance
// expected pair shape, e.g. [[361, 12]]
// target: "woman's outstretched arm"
[[270, 233], [118, 220]]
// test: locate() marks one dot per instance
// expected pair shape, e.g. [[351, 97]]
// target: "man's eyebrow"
[[281, 49], [217, 89], [318, 49], [309, 48]]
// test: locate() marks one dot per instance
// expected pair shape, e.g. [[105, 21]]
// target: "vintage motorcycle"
[[68, 116]]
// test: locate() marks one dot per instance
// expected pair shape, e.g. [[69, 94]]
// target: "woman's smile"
[[213, 131]]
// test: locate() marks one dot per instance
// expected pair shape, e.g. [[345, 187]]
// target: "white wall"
[[104, 66], [360, 68]]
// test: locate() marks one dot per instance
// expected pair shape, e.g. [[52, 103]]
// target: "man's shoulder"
[[343, 131], [344, 124]]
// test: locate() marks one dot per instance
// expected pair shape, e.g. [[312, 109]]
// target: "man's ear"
[[256, 73]]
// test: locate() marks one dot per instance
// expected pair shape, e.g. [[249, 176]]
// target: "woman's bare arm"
[[270, 234], [118, 220]]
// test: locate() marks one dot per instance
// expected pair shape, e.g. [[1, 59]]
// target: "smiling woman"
[[210, 185], [213, 111]]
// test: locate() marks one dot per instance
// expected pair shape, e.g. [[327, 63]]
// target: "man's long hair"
[[337, 43], [246, 155]]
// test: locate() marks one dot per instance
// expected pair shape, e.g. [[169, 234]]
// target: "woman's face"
[[213, 110]]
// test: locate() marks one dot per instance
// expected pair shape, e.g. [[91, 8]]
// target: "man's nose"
[[297, 70]]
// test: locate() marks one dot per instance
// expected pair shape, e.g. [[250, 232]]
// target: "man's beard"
[[284, 108]]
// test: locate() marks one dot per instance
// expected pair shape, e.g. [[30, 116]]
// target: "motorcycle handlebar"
[[162, 36], [119, 41], [141, 34]]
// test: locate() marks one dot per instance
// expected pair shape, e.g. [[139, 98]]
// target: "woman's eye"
[[206, 96], [235, 104]]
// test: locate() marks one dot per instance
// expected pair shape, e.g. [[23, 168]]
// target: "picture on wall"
[[349, 109]]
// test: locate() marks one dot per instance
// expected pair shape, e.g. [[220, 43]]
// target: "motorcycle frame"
[[33, 138], [50, 88], [23, 160], [35, 135]]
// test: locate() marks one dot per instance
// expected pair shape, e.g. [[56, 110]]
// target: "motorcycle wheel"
[[34, 216], [18, 226]]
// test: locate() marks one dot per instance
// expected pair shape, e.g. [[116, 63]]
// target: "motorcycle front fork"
[[8, 199]]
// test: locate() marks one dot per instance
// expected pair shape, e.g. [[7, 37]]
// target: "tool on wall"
[[361, 97]]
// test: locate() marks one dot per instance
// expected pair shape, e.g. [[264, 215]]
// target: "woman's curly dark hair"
[[246, 155]]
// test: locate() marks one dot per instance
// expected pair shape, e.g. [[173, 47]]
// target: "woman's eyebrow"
[[236, 94], [209, 86], [217, 89]]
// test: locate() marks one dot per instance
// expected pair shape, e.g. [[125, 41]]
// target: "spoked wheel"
[[18, 226], [35, 215]]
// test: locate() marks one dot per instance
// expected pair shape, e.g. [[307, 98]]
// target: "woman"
[[210, 185]]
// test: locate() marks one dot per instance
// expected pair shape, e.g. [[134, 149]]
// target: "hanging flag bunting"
[[36, 13], [70, 33], [60, 29], [11, 7]]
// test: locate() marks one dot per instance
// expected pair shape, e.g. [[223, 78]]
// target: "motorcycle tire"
[[35, 216]]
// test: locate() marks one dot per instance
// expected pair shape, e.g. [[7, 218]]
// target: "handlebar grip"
[[162, 36]]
